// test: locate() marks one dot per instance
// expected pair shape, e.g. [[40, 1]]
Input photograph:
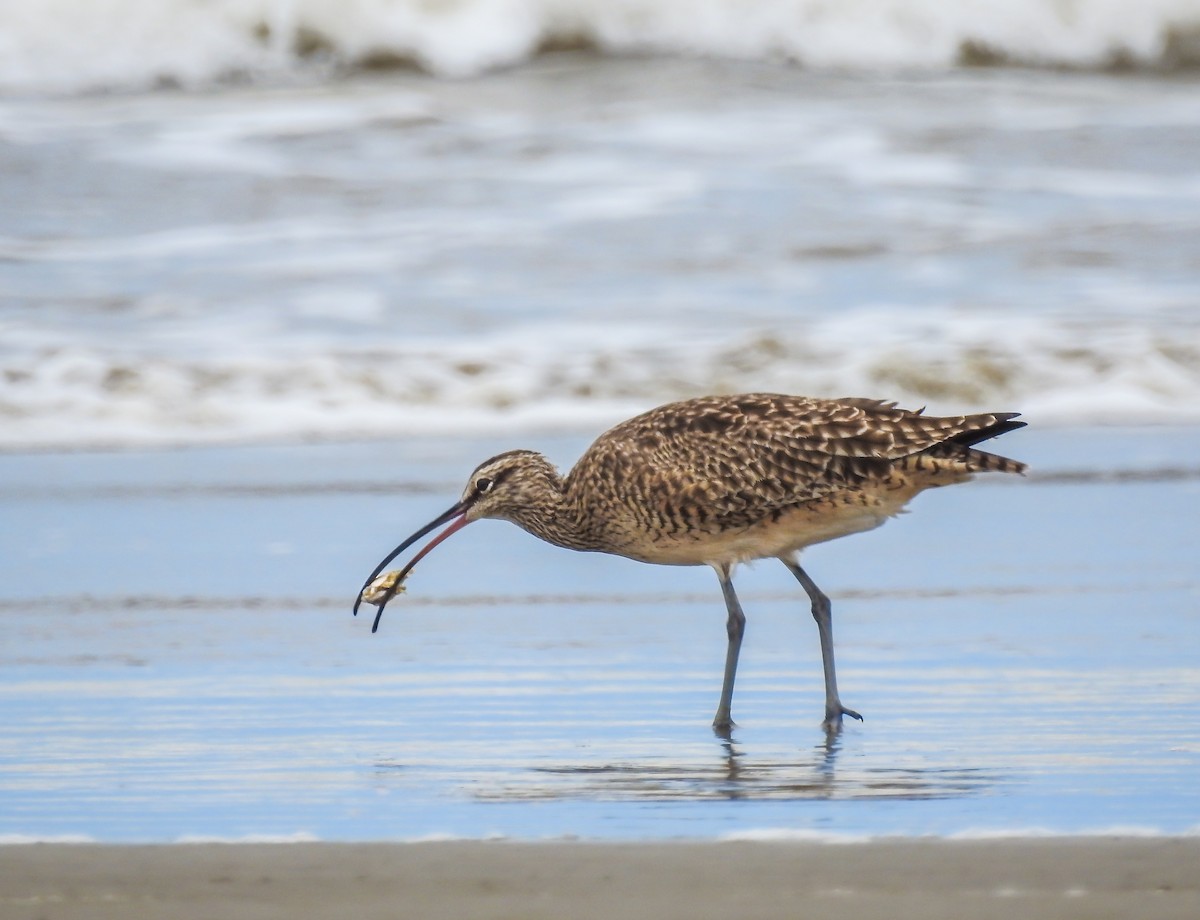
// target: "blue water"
[[178, 660]]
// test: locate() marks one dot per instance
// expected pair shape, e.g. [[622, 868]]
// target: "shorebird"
[[722, 480]]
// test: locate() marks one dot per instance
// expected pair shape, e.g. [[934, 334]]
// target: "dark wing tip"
[[1003, 424]]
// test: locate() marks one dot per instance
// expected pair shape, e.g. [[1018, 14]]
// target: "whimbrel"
[[726, 479]]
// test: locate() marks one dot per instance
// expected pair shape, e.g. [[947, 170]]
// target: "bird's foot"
[[723, 727], [833, 718]]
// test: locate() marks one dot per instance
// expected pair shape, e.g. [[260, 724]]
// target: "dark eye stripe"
[[491, 481]]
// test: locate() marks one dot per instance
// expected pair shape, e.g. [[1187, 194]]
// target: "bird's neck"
[[550, 516]]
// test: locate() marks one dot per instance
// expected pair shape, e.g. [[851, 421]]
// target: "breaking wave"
[[77, 45], [576, 378]]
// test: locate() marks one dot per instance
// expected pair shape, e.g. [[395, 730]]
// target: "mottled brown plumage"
[[725, 479]]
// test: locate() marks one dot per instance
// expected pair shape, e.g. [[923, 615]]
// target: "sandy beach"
[[1152, 879]]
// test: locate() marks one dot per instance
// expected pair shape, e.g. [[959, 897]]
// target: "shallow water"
[[313, 254], [178, 658]]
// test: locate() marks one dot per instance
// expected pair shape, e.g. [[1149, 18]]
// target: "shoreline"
[[1051, 877]]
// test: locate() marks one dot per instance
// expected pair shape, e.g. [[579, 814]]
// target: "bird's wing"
[[743, 457]]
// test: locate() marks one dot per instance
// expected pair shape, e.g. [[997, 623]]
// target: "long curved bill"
[[457, 514]]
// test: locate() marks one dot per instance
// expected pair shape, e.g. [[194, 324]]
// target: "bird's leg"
[[821, 611], [735, 626]]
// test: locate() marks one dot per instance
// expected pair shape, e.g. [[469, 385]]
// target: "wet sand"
[[1059, 878], [179, 662]]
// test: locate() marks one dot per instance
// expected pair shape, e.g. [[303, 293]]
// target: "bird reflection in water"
[[735, 774]]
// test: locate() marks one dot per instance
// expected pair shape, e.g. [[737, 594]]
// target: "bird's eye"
[[483, 484]]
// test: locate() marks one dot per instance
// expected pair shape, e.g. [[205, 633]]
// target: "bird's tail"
[[957, 456], [961, 446], [980, 461]]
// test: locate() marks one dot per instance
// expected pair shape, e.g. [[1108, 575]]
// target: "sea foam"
[[580, 378], [76, 45]]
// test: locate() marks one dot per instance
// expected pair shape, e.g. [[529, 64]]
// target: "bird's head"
[[507, 487]]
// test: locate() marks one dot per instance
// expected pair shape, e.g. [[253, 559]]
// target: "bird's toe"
[[833, 718]]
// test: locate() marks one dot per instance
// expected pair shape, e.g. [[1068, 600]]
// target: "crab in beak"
[[379, 590]]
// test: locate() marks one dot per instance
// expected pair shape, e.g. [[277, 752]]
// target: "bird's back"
[[738, 477]]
